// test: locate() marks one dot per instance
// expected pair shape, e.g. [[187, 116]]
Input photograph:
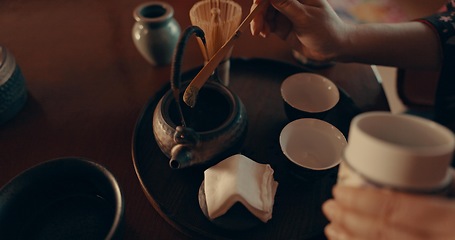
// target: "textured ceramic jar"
[[13, 92], [155, 32]]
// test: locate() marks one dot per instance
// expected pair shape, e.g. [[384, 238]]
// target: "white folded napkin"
[[240, 179]]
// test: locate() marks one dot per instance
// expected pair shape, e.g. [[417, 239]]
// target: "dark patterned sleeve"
[[443, 24]]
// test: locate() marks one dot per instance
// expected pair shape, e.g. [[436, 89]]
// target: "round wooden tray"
[[297, 210]]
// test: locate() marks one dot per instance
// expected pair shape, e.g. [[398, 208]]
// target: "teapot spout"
[[181, 156]]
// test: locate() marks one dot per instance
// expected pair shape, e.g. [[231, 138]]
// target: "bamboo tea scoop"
[[191, 92]]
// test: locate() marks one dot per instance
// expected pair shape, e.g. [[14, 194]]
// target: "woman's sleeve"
[[443, 24]]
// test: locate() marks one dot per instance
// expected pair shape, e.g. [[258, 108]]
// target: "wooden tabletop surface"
[[87, 85]]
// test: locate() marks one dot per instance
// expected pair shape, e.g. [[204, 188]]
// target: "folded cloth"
[[240, 179]]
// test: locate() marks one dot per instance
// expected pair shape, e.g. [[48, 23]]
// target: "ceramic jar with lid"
[[13, 92]]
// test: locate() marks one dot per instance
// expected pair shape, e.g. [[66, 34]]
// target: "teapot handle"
[[177, 63]]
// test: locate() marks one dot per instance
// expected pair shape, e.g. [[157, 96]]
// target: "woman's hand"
[[314, 29], [311, 27], [369, 213]]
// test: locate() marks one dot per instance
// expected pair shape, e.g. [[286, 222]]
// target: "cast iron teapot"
[[213, 129]]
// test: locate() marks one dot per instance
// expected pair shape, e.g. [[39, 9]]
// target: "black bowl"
[[66, 198]]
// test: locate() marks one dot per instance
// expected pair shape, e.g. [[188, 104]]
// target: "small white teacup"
[[313, 147], [308, 95], [397, 151]]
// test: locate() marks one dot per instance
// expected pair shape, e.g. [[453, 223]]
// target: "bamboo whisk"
[[219, 19]]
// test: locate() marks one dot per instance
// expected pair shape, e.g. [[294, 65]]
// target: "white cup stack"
[[401, 152]]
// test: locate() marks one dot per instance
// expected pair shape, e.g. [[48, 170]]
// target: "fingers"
[[371, 202], [258, 25], [292, 9], [354, 225], [276, 18], [280, 15], [393, 207], [335, 232], [380, 214]]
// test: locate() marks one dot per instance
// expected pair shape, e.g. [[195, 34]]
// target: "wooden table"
[[87, 85]]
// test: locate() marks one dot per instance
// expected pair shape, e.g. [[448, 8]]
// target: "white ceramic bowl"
[[308, 95], [312, 144], [400, 151]]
